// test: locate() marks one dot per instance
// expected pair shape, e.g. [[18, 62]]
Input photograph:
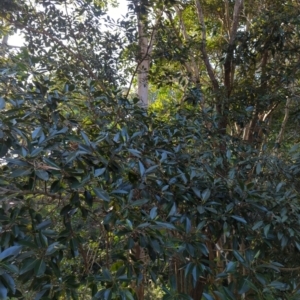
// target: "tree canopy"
[[155, 156]]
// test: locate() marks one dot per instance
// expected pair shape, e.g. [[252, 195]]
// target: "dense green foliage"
[[196, 198]]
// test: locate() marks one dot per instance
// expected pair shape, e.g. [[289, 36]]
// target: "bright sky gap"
[[114, 12]]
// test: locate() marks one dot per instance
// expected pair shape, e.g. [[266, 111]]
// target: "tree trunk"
[[4, 40], [283, 124], [252, 129], [197, 291], [145, 49], [143, 63], [3, 45], [140, 286]]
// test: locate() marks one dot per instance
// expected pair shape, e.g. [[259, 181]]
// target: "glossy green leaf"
[[165, 225], [2, 103], [27, 265], [11, 251], [42, 174], [71, 157], [240, 219], [238, 256], [99, 172], [135, 152], [261, 278], [42, 239], [85, 137], [9, 282], [220, 295], [153, 213], [20, 173], [151, 169], [88, 198], [10, 268], [257, 225], [37, 132], [53, 248], [3, 292], [205, 195], [258, 168], [107, 294], [207, 296], [43, 225], [66, 210], [51, 163], [102, 194], [40, 294], [267, 229], [188, 269], [141, 168], [74, 247], [3, 149], [230, 267], [39, 267], [279, 285], [140, 202], [244, 286], [197, 192]]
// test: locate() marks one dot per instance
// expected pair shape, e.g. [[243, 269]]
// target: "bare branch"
[[268, 113]]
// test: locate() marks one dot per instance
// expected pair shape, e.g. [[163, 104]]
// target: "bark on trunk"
[[253, 129], [140, 286], [143, 64], [229, 67], [197, 291], [4, 40], [3, 45], [283, 124], [144, 55], [207, 63]]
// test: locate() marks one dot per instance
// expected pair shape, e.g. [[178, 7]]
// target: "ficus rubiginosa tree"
[[151, 156]]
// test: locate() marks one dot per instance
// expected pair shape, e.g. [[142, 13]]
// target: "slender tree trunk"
[[5, 40], [251, 131], [206, 60], [3, 45], [140, 286], [197, 291], [145, 50], [228, 64], [143, 63], [283, 124]]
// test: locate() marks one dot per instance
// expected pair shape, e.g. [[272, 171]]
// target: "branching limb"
[[203, 47]]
